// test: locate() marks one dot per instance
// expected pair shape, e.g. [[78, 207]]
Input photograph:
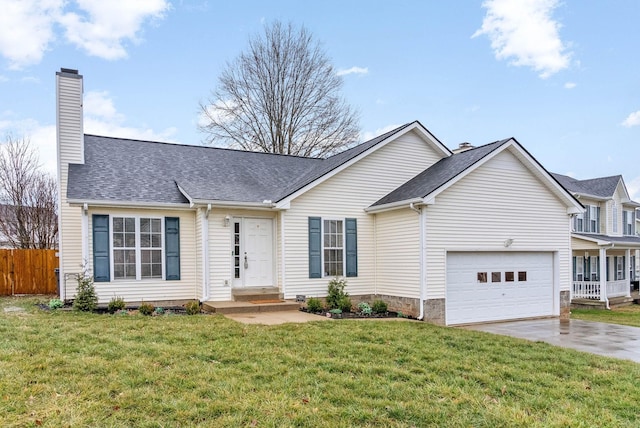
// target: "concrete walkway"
[[274, 318], [611, 340]]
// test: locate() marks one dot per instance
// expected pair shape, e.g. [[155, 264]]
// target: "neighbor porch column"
[[627, 267], [603, 274]]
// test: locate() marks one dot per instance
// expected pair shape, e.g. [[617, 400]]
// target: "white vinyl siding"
[[508, 202], [398, 253], [153, 289], [70, 150], [221, 270], [346, 195]]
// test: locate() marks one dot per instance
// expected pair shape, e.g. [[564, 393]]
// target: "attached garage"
[[494, 286]]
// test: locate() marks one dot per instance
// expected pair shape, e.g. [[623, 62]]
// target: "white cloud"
[[26, 29], [102, 118], [368, 135], [100, 28], [570, 85], [353, 70], [525, 32], [632, 120]]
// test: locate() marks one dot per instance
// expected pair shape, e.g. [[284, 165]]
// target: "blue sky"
[[562, 77]]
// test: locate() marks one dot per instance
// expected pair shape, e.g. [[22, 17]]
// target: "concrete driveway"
[[611, 340]]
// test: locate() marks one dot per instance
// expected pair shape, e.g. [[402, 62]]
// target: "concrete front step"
[[614, 302], [244, 307], [256, 293]]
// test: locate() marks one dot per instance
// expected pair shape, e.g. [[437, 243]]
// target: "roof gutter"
[[126, 204], [423, 281], [393, 205]]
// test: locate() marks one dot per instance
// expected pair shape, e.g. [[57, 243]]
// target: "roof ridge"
[[200, 146]]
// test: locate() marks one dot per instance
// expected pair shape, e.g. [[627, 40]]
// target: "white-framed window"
[[594, 268], [137, 247], [578, 268], [628, 218], [333, 247], [578, 224], [614, 214], [594, 219], [619, 261]]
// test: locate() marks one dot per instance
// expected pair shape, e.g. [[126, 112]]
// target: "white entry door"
[[253, 252]]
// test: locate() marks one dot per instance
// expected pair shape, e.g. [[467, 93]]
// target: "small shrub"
[[379, 307], [314, 305], [345, 304], [55, 304], [336, 293], [146, 308], [159, 311], [364, 308], [115, 304], [192, 307], [86, 298]]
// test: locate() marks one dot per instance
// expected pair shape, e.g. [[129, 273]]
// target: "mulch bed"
[[351, 315]]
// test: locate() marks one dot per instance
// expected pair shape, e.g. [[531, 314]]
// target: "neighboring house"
[[477, 236], [604, 239]]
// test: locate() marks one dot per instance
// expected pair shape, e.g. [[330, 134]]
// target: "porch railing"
[[591, 289]]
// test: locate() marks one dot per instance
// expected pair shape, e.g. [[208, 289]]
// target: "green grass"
[[77, 369], [626, 315]]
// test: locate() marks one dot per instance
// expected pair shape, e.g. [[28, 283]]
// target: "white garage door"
[[488, 286]]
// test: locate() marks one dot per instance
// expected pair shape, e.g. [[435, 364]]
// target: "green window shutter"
[[315, 247], [574, 269], [101, 265], [172, 248], [352, 246]]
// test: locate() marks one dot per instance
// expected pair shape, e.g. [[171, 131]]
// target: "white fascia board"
[[579, 195], [393, 205], [574, 210], [426, 135], [128, 204], [185, 194], [235, 204]]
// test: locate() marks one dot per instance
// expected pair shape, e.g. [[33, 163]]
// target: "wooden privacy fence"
[[28, 272]]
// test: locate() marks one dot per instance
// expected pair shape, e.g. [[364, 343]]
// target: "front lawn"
[[76, 369], [627, 315]]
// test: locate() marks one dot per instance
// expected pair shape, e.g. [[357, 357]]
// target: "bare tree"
[[281, 96], [28, 197]]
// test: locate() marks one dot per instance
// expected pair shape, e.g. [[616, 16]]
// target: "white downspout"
[[282, 255], [603, 275], [85, 236], [205, 254], [627, 274], [420, 212]]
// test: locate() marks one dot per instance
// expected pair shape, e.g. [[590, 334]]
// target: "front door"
[[253, 252]]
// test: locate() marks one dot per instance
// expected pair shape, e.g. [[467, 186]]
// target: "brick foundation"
[[434, 311], [406, 305]]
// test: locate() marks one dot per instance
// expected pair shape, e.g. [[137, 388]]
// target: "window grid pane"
[[127, 241], [333, 240]]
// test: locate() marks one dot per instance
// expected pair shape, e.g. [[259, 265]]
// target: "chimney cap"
[[68, 70]]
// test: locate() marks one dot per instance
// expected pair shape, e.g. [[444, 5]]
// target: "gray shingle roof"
[[439, 174], [124, 170], [117, 169], [603, 187]]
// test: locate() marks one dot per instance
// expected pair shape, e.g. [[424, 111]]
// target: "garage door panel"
[[471, 300]]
